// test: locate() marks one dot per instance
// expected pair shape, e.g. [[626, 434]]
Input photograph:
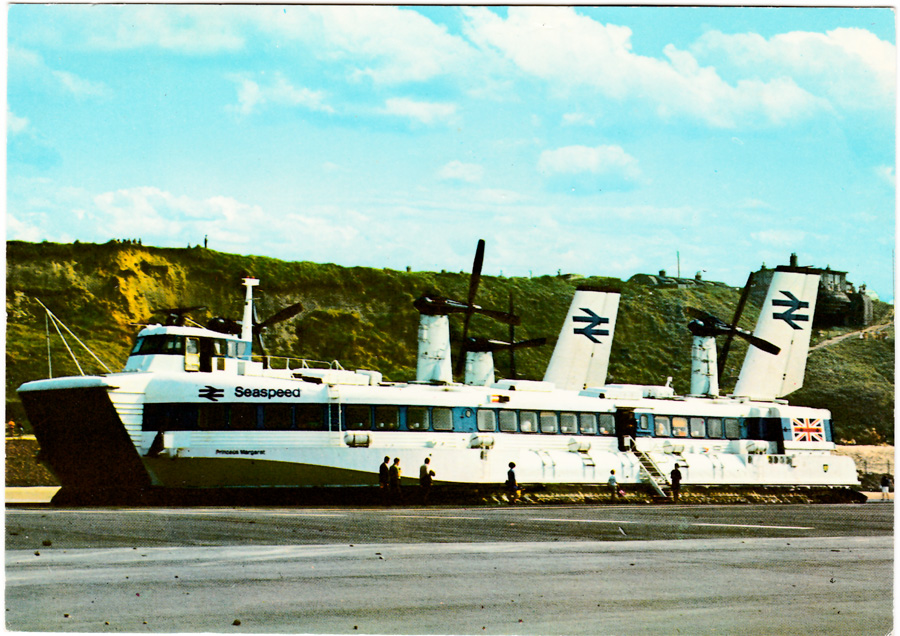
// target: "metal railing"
[[295, 364]]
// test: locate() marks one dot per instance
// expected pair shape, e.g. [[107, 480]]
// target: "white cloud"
[[249, 95], [323, 227], [459, 171], [80, 87], [25, 65], [778, 238], [852, 67], [886, 174], [755, 204], [388, 45], [593, 168], [166, 219], [17, 57], [21, 231], [279, 91], [194, 30], [498, 196], [578, 119], [554, 43], [569, 50], [16, 125], [425, 112]]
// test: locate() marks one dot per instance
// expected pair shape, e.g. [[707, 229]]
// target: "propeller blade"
[[476, 271], [705, 324], [438, 305], [487, 344], [257, 340], [699, 314], [759, 343], [734, 321], [224, 325], [533, 342], [482, 344], [474, 279], [285, 314], [502, 316]]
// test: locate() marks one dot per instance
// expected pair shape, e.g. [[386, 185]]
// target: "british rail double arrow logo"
[[788, 315], [591, 330]]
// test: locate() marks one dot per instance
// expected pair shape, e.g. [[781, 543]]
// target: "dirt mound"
[[22, 469], [870, 459]]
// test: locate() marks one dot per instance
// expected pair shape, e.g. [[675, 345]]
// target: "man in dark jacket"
[[512, 485], [394, 480], [425, 475], [676, 482], [384, 478]]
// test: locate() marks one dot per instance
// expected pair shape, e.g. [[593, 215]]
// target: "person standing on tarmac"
[[394, 480], [384, 479], [676, 483], [425, 475], [512, 486]]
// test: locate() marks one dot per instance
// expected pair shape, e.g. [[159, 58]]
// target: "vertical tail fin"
[[785, 321], [581, 356]]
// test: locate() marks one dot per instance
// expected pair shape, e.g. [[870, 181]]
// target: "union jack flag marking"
[[807, 430]]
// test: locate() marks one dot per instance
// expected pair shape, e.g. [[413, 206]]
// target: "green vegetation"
[[364, 318]]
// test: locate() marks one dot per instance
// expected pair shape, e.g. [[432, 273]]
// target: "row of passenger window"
[[509, 421], [313, 417], [316, 417], [604, 424], [678, 426]]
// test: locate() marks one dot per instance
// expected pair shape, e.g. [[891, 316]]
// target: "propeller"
[[224, 325], [705, 324], [430, 304], [512, 345], [487, 344], [739, 310], [233, 327], [176, 316], [433, 305], [474, 279], [281, 315]]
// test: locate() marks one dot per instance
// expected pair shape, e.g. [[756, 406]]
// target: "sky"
[[603, 141]]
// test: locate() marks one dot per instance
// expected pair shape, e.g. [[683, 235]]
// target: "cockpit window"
[[238, 349], [168, 344], [164, 344]]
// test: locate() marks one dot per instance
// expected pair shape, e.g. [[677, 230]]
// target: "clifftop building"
[[839, 303]]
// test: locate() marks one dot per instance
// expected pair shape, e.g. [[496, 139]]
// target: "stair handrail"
[[644, 459]]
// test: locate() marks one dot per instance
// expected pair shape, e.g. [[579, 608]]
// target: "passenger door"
[[626, 426], [192, 354]]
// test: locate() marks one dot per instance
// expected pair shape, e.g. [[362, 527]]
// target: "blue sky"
[[592, 140]]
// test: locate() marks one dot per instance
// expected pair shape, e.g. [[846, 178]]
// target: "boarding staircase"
[[650, 471]]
